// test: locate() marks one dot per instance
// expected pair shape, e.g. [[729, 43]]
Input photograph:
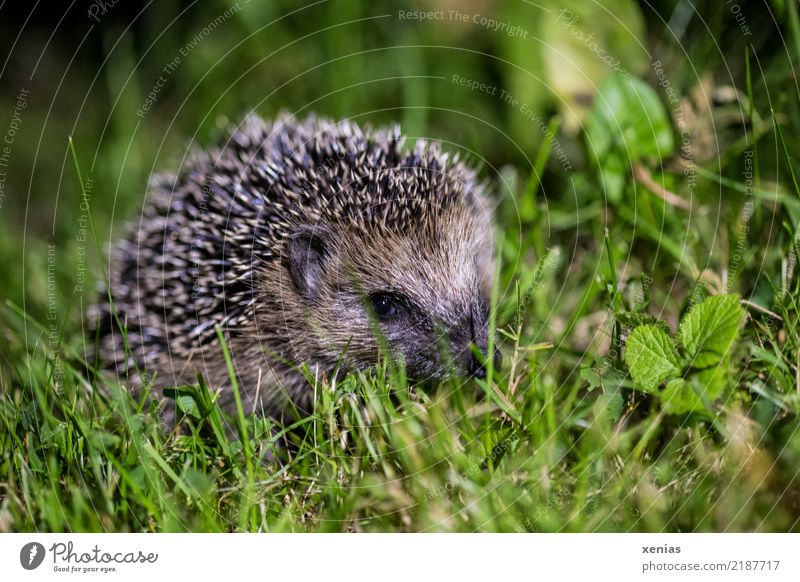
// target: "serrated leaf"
[[709, 329], [634, 319], [651, 356], [679, 398]]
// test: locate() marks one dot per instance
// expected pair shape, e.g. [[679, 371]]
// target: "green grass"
[[566, 436], [376, 456]]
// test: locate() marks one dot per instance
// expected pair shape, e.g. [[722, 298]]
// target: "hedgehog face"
[[424, 296]]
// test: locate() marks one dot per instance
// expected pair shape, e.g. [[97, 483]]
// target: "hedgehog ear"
[[305, 258]]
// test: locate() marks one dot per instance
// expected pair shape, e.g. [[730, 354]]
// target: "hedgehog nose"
[[477, 369]]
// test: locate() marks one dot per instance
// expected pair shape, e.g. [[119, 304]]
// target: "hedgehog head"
[[398, 260]]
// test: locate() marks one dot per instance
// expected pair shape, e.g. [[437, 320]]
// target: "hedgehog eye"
[[387, 305]]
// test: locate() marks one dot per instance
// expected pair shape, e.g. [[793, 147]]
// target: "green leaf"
[[610, 380], [580, 50], [575, 52], [711, 382], [188, 405], [651, 356], [709, 329], [679, 398], [628, 124], [634, 319]]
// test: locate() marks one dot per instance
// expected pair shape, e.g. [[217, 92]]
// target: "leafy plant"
[[695, 367], [627, 125]]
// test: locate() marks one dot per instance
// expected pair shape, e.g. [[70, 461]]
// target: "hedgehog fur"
[[307, 242]]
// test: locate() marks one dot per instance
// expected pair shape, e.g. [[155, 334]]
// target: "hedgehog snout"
[[471, 335], [476, 366]]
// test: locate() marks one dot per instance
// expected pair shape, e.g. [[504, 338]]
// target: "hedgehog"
[[314, 247]]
